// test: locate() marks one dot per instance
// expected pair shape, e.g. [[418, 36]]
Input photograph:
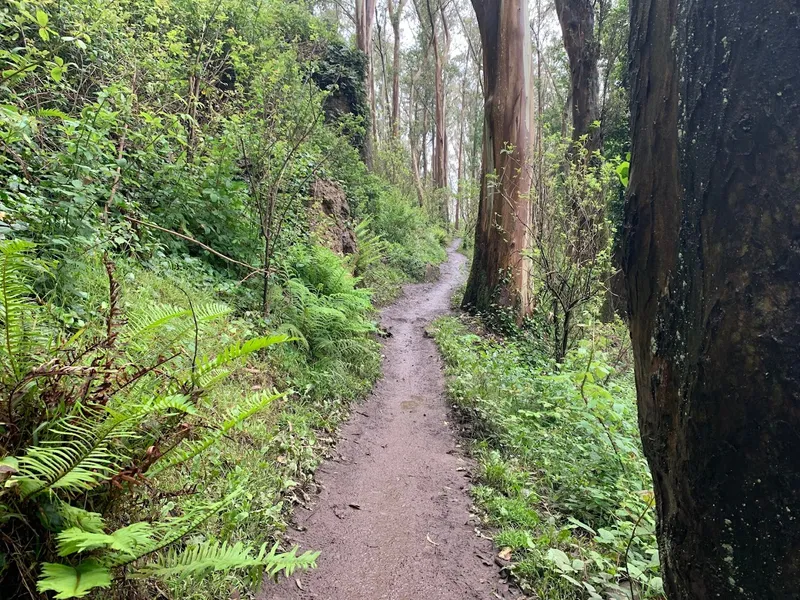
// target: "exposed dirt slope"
[[392, 520]]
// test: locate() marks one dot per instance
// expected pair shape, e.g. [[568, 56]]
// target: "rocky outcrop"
[[329, 216]]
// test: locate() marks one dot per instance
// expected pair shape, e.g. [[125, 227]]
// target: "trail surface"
[[392, 519]]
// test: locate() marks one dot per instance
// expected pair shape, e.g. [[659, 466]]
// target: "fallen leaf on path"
[[505, 553], [298, 584], [428, 537]]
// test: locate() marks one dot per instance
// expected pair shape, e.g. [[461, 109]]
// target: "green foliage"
[[561, 468], [571, 239], [131, 424], [83, 419]]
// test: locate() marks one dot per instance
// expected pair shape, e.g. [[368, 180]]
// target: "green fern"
[[371, 248], [73, 582], [79, 459], [206, 372], [213, 555], [16, 301], [188, 450], [127, 540]]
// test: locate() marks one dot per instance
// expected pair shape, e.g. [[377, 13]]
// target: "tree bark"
[[499, 273], [462, 117], [365, 11], [394, 18], [577, 26], [712, 269]]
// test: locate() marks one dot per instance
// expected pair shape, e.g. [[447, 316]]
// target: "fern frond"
[[152, 319], [15, 300], [73, 582], [81, 457], [73, 516], [166, 533], [233, 353], [189, 449], [213, 555], [126, 540]]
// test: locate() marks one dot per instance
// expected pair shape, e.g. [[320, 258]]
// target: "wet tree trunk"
[[365, 13], [577, 26], [712, 265], [499, 273]]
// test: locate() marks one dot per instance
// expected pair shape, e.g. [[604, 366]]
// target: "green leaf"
[[125, 540], [73, 582], [56, 73], [41, 18]]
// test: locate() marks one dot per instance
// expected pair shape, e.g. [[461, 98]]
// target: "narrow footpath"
[[392, 520]]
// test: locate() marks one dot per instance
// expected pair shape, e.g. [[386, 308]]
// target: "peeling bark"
[[712, 266], [499, 274]]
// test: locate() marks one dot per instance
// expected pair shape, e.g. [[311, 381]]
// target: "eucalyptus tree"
[[499, 273]]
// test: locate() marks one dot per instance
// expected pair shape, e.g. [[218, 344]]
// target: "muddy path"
[[392, 520]]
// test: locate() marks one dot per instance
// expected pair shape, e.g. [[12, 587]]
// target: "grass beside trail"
[[562, 480]]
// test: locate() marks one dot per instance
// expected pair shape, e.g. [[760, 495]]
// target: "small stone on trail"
[[355, 506]]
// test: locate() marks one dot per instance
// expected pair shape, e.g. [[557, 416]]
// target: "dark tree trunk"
[[577, 26], [712, 264], [499, 274]]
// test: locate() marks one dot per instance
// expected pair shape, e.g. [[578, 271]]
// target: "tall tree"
[[436, 19], [713, 274], [395, 13], [365, 16], [499, 273], [577, 26]]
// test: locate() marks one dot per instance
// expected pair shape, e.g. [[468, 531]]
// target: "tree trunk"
[[499, 274], [713, 274], [424, 140], [394, 17], [577, 26], [461, 118], [365, 11]]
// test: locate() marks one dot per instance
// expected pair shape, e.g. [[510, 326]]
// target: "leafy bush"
[[562, 472]]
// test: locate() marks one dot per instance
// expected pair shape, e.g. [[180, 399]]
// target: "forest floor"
[[393, 520]]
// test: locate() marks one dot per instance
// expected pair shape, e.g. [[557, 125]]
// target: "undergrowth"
[[562, 479]]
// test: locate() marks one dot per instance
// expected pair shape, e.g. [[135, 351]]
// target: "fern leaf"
[[73, 582], [188, 450], [73, 516], [233, 353], [166, 533], [80, 458], [203, 558], [126, 540], [15, 300]]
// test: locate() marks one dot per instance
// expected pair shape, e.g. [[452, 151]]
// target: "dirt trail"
[[392, 520]]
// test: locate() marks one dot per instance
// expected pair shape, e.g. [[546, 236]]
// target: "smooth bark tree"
[[499, 273], [395, 13], [577, 27], [713, 274], [435, 18], [365, 16], [462, 117]]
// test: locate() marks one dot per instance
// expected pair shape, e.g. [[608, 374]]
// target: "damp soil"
[[392, 518]]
